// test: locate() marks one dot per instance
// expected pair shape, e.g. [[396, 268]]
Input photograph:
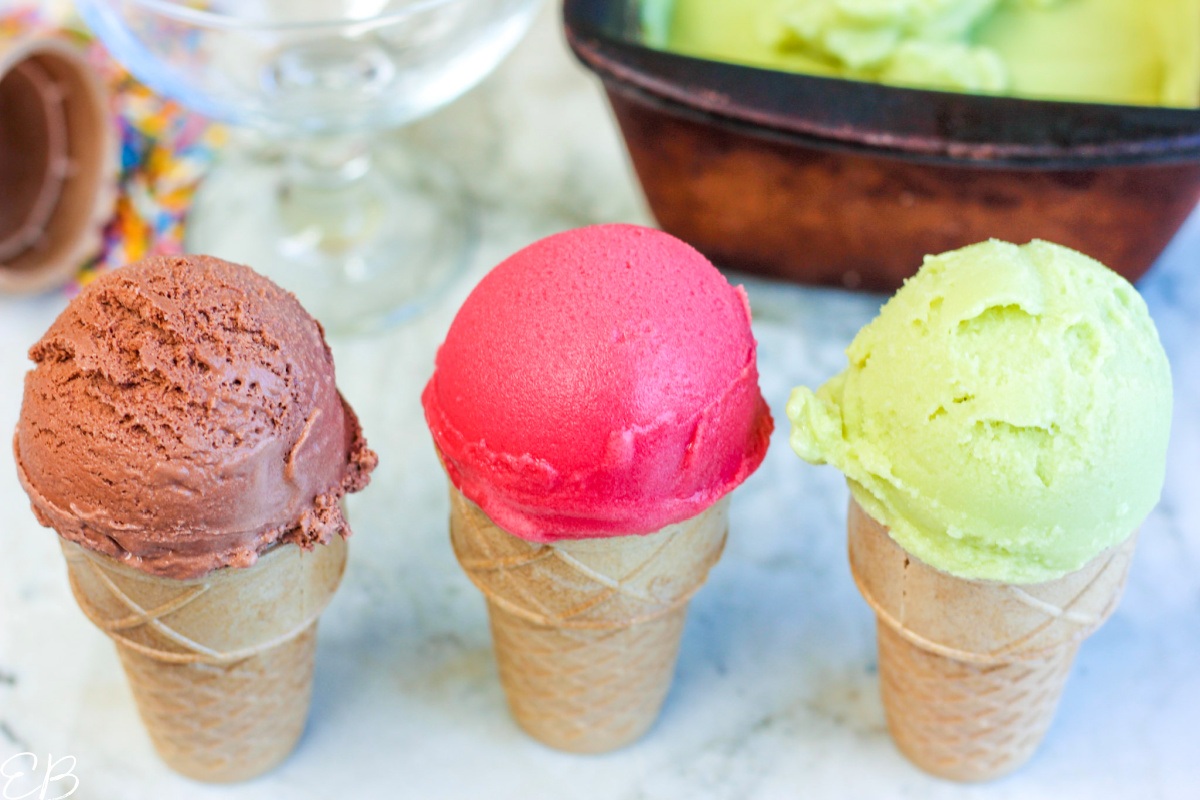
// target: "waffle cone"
[[587, 631], [59, 159], [971, 672], [221, 667]]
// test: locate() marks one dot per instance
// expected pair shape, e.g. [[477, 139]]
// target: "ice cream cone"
[[221, 667], [597, 394], [971, 671], [58, 162], [587, 631]]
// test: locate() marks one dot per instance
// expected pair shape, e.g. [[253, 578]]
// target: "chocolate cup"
[[57, 163], [838, 182]]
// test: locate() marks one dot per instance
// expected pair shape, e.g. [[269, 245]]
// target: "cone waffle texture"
[[587, 631], [971, 671], [221, 667]]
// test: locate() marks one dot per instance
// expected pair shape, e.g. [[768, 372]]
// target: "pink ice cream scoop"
[[601, 382]]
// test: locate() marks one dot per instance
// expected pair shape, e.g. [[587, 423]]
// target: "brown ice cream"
[[182, 416]]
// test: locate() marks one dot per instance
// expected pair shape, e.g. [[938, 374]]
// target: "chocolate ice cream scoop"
[[183, 416]]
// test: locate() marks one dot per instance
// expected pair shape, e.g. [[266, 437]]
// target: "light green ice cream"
[[1006, 415], [1112, 51], [868, 34]]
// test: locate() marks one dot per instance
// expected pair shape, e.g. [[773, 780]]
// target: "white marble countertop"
[[776, 693]]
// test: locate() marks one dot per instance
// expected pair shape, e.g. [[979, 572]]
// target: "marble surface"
[[776, 693]]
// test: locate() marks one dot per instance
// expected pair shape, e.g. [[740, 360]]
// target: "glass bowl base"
[[364, 239]]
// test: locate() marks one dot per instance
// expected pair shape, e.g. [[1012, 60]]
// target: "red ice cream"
[[601, 382]]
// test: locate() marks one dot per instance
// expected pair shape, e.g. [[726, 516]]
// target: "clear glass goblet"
[[316, 197]]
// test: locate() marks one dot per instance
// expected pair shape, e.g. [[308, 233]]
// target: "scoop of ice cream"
[[951, 66], [1006, 415], [600, 382], [182, 416], [866, 33]]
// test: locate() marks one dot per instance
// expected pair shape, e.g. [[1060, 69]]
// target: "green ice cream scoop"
[[1006, 415]]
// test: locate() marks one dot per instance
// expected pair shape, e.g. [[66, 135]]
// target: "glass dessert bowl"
[[315, 197]]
